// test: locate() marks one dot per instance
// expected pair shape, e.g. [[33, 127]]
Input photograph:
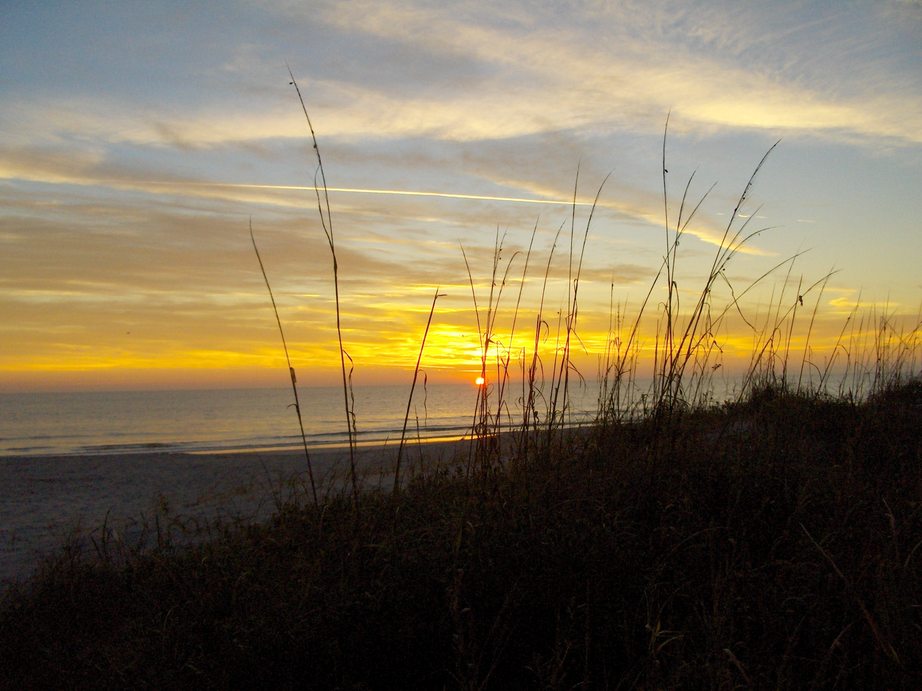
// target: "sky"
[[141, 139]]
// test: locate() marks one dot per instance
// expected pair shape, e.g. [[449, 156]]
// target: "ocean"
[[124, 422], [75, 465]]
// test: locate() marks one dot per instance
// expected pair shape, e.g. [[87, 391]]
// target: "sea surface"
[[77, 467], [124, 422]]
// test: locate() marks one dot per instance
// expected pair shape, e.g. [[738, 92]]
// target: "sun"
[[480, 381]]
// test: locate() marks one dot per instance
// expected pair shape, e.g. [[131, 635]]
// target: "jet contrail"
[[700, 234], [359, 190]]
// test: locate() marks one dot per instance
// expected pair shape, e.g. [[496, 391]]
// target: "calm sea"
[[81, 423]]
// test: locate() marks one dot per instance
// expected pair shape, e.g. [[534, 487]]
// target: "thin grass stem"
[[291, 370]]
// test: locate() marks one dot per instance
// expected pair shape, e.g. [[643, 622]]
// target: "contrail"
[[700, 234], [359, 190]]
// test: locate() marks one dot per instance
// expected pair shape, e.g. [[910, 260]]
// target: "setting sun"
[[480, 381], [127, 257]]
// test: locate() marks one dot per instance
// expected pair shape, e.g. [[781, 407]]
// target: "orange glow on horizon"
[[452, 353]]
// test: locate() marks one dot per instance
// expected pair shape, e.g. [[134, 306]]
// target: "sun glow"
[[480, 381]]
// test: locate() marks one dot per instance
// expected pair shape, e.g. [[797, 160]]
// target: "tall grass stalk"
[[560, 377], [816, 306], [762, 369], [406, 417], [530, 390], [326, 220], [486, 424], [503, 363], [839, 346], [291, 370], [681, 346]]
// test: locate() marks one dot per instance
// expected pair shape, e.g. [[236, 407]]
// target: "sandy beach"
[[46, 500]]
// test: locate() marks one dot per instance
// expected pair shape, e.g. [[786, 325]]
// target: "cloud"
[[534, 75], [124, 210], [637, 70]]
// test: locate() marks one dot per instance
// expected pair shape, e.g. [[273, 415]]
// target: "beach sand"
[[45, 501]]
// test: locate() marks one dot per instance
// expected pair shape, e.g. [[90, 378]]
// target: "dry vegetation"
[[773, 543]]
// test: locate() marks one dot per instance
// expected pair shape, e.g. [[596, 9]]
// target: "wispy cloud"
[[125, 199], [728, 70], [635, 71]]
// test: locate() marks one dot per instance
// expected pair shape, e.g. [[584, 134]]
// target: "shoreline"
[[48, 500], [385, 438], [51, 500]]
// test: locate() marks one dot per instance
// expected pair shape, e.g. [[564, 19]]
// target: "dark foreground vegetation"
[[775, 543]]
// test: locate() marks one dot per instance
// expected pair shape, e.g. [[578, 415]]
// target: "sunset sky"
[[139, 139]]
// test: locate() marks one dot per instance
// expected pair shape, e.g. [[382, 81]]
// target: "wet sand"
[[46, 500]]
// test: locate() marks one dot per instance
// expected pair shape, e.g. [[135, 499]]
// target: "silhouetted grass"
[[770, 543]]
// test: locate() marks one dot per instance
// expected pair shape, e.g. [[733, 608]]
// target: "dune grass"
[[773, 541], [291, 370]]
